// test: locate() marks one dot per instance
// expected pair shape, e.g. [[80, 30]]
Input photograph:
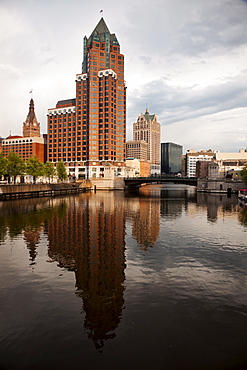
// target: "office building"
[[137, 149], [192, 156], [198, 164], [89, 132], [171, 162], [31, 143], [147, 128]]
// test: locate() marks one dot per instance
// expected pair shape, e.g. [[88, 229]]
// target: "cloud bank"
[[184, 60]]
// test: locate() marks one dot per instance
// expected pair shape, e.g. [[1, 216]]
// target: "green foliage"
[[3, 165], [25, 216], [243, 174], [34, 167], [15, 165], [61, 171], [242, 216], [49, 170]]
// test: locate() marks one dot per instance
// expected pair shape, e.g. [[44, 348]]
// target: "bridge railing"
[[156, 178]]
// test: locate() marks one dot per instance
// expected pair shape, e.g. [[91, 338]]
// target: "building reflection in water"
[[86, 234], [144, 213], [152, 202], [171, 204], [90, 240], [242, 215], [173, 198], [218, 205], [32, 239], [24, 217]]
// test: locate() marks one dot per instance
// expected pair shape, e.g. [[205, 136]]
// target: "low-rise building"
[[132, 167], [207, 169], [31, 143], [230, 164], [192, 156], [137, 168], [154, 169], [144, 169]]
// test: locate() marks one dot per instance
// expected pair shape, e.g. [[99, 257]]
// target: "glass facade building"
[[171, 162]]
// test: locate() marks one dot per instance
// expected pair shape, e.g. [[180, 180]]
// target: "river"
[[155, 279]]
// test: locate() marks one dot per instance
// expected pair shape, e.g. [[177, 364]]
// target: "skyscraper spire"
[[100, 29], [31, 127]]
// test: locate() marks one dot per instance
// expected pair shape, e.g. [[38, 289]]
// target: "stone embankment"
[[220, 185], [107, 184], [41, 190]]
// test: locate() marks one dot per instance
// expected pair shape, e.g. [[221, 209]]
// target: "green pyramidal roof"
[[149, 117], [101, 27], [99, 33]]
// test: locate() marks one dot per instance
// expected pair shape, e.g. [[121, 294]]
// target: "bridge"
[[134, 182]]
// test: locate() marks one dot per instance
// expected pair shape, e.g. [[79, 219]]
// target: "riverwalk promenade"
[[41, 190]]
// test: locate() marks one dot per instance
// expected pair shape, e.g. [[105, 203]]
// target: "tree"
[[34, 167], [243, 174], [61, 171], [15, 166], [49, 170], [3, 165]]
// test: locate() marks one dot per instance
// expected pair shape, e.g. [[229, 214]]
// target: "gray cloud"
[[145, 59], [185, 59], [222, 25], [189, 28], [180, 103]]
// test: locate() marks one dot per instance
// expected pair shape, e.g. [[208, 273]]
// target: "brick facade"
[[89, 132], [31, 143]]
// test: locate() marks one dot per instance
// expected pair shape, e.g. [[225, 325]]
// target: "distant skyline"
[[184, 59]]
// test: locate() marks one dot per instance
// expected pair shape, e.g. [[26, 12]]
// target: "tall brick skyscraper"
[[89, 132]]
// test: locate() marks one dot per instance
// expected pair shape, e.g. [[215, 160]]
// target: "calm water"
[[152, 280]]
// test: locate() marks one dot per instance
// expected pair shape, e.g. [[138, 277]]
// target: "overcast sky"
[[186, 60]]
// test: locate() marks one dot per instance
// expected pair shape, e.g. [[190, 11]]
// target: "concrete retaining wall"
[[38, 190], [23, 188], [220, 186], [107, 184]]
